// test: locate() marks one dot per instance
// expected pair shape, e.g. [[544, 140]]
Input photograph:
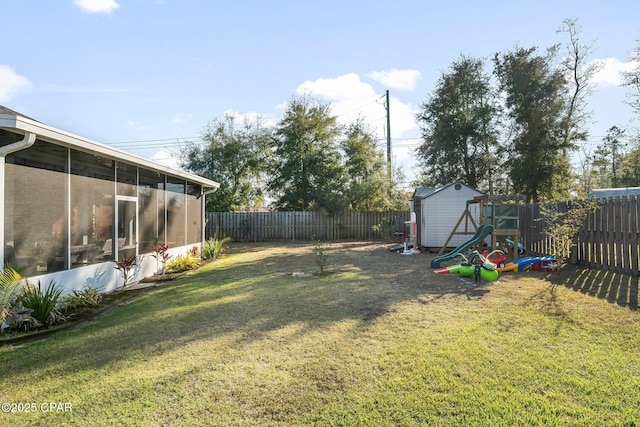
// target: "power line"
[[375, 100], [155, 140], [153, 143]]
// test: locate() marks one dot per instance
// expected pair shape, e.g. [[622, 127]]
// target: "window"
[[127, 179], [194, 214], [36, 208], [176, 226], [151, 210], [92, 204]]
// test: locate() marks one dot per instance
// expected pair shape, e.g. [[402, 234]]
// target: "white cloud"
[[609, 75], [345, 87], [180, 118], [352, 98], [88, 89], [11, 83], [252, 117], [396, 79], [97, 6], [135, 125], [167, 158]]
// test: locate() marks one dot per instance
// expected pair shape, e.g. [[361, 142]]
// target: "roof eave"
[[60, 137]]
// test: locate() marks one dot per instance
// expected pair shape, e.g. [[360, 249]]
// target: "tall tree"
[[630, 169], [631, 79], [368, 185], [579, 75], [458, 128], [235, 156], [608, 157], [534, 98], [307, 172]]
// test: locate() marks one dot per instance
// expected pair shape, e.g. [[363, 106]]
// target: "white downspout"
[[204, 208], [27, 142]]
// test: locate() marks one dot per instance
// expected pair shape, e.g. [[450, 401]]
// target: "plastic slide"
[[522, 263], [452, 269], [481, 233]]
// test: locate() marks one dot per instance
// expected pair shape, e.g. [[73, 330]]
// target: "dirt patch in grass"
[[413, 272], [410, 275]]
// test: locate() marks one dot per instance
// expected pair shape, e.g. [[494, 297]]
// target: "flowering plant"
[[161, 254]]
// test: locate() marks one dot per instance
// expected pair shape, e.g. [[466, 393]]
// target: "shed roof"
[[16, 122], [614, 192], [424, 192]]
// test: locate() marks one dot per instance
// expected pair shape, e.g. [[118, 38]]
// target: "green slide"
[[481, 233]]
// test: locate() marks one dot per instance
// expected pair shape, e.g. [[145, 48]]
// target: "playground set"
[[499, 219]]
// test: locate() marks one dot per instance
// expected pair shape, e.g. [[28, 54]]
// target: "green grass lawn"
[[377, 340]]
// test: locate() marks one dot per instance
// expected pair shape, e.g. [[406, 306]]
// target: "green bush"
[[42, 303], [321, 251], [213, 248], [182, 263], [563, 227], [10, 282], [87, 297]]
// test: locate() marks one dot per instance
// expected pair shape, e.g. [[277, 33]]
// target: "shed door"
[[417, 208], [127, 227]]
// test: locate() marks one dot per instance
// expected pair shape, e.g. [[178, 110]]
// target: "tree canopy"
[[534, 103], [458, 127], [234, 155], [368, 187], [631, 79], [306, 172], [512, 128]]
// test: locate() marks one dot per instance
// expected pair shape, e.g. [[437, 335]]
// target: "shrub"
[[182, 263], [10, 282], [213, 248], [563, 227], [124, 266], [42, 303], [160, 253], [19, 319], [87, 297], [321, 250]]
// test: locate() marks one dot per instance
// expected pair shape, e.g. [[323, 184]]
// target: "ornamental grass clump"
[[42, 303], [88, 297], [213, 248]]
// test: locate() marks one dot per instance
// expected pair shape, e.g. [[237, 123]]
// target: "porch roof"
[[15, 122]]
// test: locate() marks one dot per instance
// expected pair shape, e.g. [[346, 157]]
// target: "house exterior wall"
[[103, 275], [69, 214], [441, 212]]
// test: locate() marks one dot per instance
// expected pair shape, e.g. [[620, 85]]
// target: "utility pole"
[[386, 106]]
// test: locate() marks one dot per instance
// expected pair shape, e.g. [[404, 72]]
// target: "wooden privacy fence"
[[303, 225], [607, 240]]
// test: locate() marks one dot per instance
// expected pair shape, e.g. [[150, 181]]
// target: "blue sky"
[[147, 75]]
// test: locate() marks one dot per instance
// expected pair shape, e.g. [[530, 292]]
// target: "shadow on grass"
[[243, 299], [616, 288]]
